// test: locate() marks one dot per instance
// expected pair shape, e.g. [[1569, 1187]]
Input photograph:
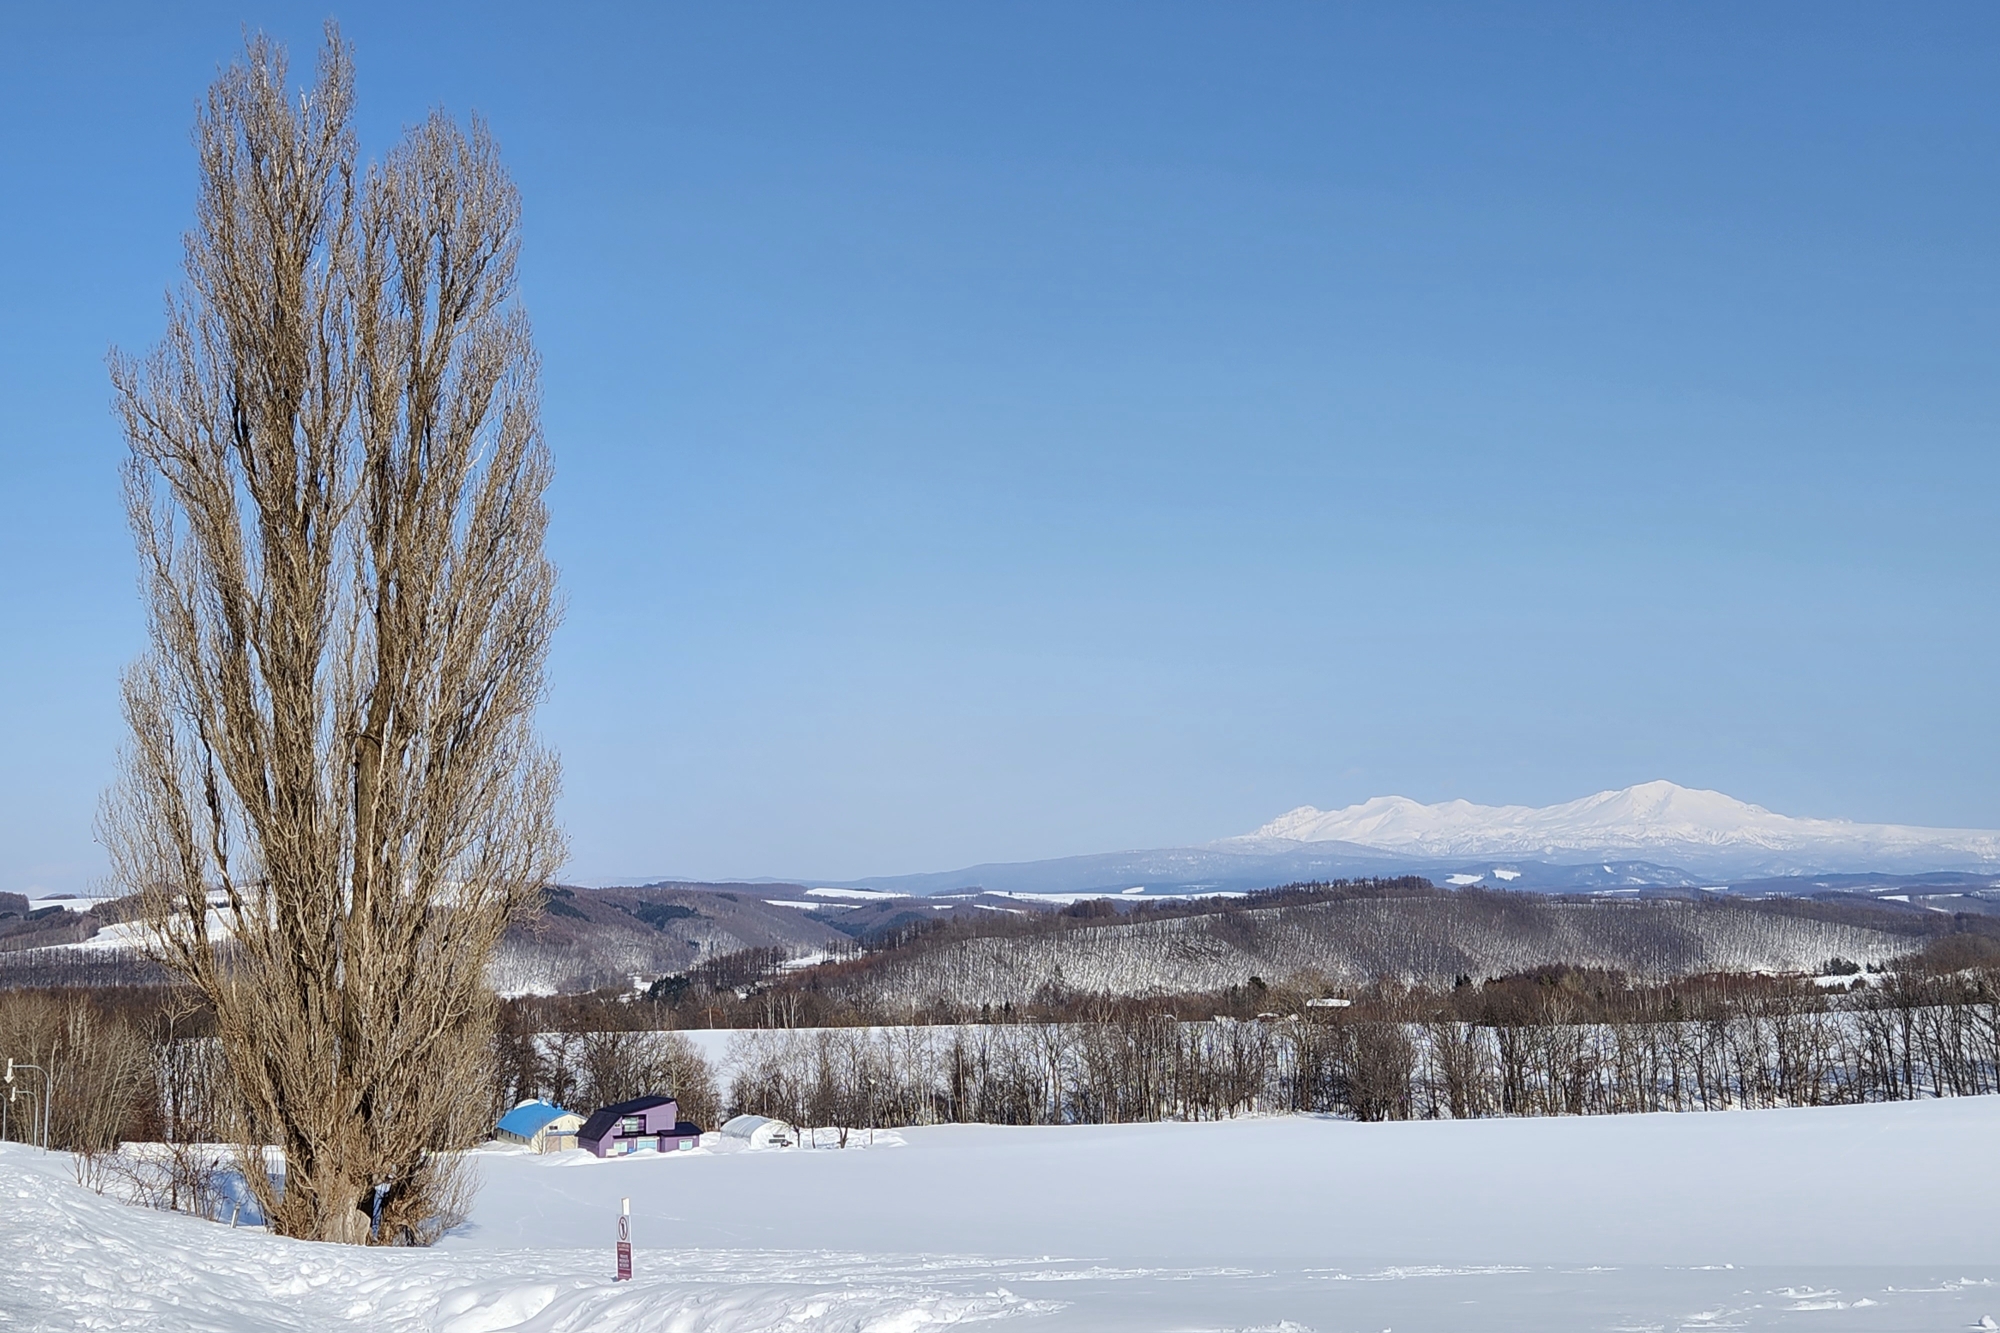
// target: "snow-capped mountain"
[[1656, 821]]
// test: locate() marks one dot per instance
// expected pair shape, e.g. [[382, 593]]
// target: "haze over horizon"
[[988, 437]]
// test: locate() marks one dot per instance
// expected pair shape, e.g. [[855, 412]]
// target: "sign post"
[[624, 1240]]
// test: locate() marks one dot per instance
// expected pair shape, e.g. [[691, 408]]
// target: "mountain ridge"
[[1694, 828]]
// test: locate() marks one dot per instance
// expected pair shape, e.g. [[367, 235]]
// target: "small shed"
[[540, 1125], [643, 1122], [759, 1131]]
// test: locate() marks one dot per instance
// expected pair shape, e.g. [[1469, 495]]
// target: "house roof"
[[605, 1118], [531, 1118]]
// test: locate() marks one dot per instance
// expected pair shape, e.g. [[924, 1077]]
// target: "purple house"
[[643, 1122]]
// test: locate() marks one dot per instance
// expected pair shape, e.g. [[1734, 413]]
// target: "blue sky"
[[1003, 432]]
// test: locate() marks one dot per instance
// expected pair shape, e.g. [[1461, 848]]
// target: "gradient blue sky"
[[1002, 432]]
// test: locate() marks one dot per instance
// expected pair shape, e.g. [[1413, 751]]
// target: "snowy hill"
[[1656, 821], [1427, 938]]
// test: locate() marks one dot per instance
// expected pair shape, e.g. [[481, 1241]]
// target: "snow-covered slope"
[[1657, 821], [1429, 941]]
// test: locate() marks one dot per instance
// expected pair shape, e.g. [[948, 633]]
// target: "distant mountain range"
[[1702, 831], [1655, 840], [1656, 834]]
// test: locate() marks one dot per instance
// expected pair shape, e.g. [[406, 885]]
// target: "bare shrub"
[[173, 1177]]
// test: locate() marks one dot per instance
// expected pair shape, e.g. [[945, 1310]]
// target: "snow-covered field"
[[1854, 1218]]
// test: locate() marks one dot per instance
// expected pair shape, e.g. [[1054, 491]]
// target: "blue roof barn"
[[540, 1125]]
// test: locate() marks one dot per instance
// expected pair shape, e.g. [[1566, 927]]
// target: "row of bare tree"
[[132, 1064], [111, 1077], [146, 1066], [1908, 1037], [1559, 1045]]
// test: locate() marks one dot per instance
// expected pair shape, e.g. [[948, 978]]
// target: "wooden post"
[[624, 1240]]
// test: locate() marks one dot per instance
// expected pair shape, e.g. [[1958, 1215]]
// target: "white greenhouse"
[[758, 1131]]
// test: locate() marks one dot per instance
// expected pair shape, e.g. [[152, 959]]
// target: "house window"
[[632, 1124]]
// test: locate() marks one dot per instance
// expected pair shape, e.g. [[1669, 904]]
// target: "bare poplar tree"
[[331, 800]]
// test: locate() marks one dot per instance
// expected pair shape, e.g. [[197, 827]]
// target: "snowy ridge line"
[[1654, 820]]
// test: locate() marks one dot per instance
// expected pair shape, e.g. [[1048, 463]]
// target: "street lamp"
[[47, 1099], [34, 1113]]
